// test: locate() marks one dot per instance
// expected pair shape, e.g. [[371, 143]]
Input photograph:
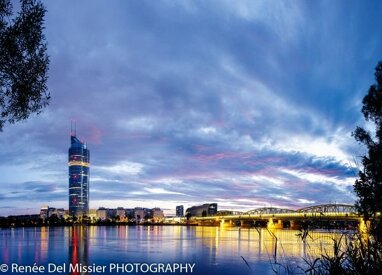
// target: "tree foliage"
[[23, 61], [369, 185]]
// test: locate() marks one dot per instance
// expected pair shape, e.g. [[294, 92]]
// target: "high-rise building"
[[180, 211], [79, 162]]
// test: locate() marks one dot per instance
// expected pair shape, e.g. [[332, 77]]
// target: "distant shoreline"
[[96, 224]]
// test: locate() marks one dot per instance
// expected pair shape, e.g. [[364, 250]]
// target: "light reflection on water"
[[214, 250]]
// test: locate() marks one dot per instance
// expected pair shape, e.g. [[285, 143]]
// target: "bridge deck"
[[285, 216]]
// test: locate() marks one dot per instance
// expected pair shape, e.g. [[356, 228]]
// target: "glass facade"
[[79, 163], [179, 211], [208, 209]]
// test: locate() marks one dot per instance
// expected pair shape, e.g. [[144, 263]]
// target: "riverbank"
[[12, 222]]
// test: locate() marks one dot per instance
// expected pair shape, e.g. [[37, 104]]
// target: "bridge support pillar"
[[226, 223], [279, 224], [244, 223], [294, 225], [272, 225]]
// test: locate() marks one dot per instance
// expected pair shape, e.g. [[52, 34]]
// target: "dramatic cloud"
[[247, 104]]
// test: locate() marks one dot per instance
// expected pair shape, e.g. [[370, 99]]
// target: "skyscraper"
[[79, 162], [179, 211]]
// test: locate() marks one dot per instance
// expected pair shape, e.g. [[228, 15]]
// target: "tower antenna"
[[75, 128], [71, 127]]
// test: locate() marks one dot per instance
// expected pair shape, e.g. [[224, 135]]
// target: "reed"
[[355, 254]]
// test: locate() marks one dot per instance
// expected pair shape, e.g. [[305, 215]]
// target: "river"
[[157, 249]]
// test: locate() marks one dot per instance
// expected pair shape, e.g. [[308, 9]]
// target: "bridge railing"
[[292, 215]]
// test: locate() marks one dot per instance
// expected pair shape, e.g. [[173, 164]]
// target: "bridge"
[[274, 217]]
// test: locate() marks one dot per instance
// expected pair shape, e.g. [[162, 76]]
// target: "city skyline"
[[245, 104]]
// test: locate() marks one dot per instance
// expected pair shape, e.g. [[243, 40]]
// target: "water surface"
[[213, 250]]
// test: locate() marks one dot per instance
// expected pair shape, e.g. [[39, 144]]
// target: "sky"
[[244, 103]]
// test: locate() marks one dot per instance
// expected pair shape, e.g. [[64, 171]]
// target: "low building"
[[208, 209], [47, 212], [157, 214], [102, 213], [92, 214], [121, 213], [148, 213], [44, 212], [139, 214], [130, 213], [59, 212]]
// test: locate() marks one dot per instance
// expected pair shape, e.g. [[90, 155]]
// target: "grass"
[[352, 254]]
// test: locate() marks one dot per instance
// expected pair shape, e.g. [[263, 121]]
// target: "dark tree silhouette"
[[23, 61], [369, 185], [188, 215]]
